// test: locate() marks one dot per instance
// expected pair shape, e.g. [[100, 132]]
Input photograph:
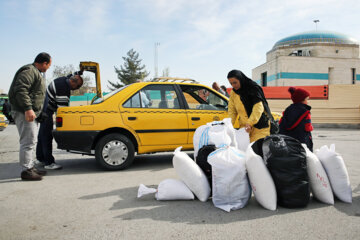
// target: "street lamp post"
[[156, 58], [316, 21]]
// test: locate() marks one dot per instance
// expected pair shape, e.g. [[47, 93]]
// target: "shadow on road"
[[183, 211], [88, 165], [352, 209]]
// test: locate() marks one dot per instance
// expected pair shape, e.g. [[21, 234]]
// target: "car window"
[[203, 98], [107, 96], [133, 102], [154, 96]]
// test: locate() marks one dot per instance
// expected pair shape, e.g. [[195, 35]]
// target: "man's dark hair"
[[42, 57], [76, 78]]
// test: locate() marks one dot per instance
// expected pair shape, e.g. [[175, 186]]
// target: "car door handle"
[[195, 118], [131, 118]]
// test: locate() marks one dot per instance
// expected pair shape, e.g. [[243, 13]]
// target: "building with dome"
[[311, 58]]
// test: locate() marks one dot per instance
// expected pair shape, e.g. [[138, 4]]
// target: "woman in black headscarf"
[[248, 105]]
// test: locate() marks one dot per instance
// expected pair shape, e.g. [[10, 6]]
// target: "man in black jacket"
[[57, 95]]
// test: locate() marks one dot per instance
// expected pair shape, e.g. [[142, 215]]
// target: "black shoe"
[[39, 172], [30, 175]]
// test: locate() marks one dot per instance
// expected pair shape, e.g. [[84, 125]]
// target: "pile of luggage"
[[279, 170]]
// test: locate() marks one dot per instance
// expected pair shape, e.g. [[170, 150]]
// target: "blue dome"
[[316, 37]]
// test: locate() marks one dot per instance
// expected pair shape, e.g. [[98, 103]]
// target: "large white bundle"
[[242, 139], [319, 181], [230, 186], [191, 174], [199, 138], [218, 133], [168, 189], [336, 171], [261, 181]]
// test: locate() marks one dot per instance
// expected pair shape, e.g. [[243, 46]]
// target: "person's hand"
[[30, 115], [247, 128]]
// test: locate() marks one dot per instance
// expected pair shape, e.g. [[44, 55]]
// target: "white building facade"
[[311, 58]]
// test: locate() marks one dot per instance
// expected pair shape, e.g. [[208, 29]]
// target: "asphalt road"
[[84, 202]]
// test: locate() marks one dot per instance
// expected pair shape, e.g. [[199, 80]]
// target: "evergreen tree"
[[130, 72]]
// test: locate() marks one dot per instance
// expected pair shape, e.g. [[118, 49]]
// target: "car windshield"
[[203, 98], [100, 100]]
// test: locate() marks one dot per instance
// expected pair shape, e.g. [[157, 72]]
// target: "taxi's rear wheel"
[[114, 152]]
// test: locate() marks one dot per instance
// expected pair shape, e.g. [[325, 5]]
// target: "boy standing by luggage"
[[296, 119]]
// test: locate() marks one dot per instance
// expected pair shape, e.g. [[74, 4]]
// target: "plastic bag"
[[230, 187], [218, 133], [319, 182], [242, 139], [260, 180], [191, 174], [336, 171], [286, 160], [168, 189], [201, 161]]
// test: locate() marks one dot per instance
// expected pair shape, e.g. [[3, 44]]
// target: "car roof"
[[171, 83]]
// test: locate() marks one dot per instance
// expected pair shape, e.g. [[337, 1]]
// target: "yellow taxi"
[[3, 122], [144, 117], [277, 116]]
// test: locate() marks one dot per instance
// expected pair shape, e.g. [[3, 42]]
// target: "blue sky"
[[199, 39]]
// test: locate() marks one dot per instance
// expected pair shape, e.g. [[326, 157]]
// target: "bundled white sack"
[[230, 186], [191, 174], [198, 138], [336, 171], [242, 139], [319, 182], [168, 189], [218, 133], [261, 181]]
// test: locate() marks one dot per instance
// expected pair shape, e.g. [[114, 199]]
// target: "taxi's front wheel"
[[114, 152]]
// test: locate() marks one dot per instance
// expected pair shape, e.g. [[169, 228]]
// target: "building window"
[[264, 79], [353, 75]]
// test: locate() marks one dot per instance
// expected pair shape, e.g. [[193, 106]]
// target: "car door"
[[203, 105], [155, 114]]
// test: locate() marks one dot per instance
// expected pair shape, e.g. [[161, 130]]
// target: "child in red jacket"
[[296, 119]]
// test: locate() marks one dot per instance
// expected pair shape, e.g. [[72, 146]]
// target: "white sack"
[[242, 139], [336, 171], [261, 181], [168, 189], [230, 186], [173, 189], [218, 133], [191, 174], [144, 190], [198, 139], [319, 182]]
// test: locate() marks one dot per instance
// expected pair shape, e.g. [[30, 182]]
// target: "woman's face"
[[235, 83]]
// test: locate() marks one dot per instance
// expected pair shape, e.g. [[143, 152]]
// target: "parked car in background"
[[2, 101], [3, 122]]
